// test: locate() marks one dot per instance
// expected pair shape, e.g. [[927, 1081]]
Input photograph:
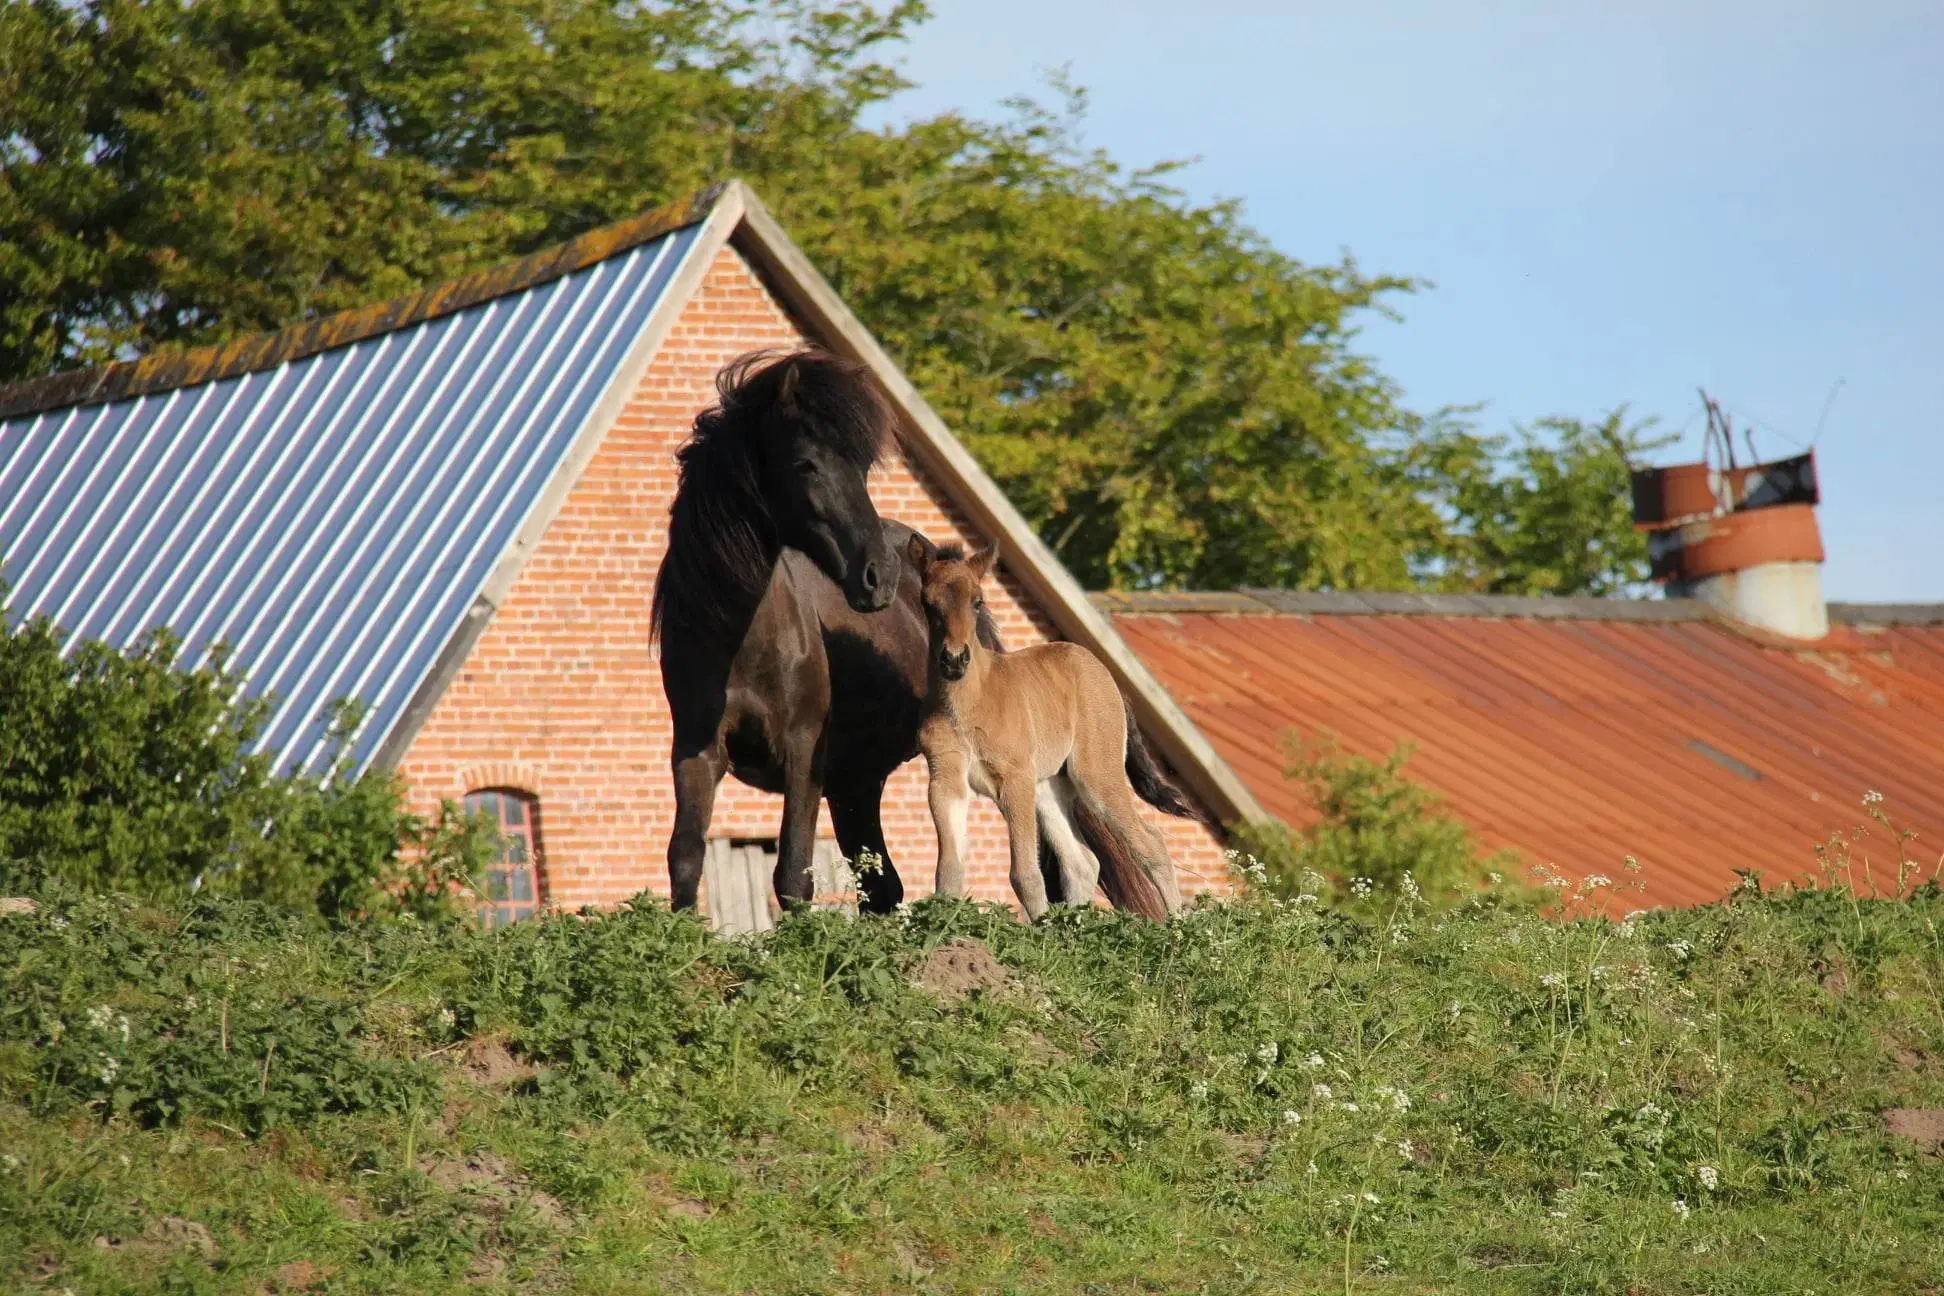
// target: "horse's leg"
[[696, 777], [1017, 802], [854, 813], [796, 842], [950, 795]]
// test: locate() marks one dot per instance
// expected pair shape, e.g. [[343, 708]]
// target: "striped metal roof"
[[331, 517]]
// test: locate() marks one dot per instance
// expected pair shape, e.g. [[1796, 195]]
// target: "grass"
[[1261, 1096]]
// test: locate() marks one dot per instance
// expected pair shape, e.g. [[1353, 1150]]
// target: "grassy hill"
[[1258, 1097]]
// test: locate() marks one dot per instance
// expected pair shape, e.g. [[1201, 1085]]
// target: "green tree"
[[1169, 399], [1548, 514]]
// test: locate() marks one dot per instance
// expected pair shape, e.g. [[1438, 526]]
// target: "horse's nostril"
[[870, 578]]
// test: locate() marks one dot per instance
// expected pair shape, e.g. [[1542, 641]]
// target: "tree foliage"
[[1168, 398]]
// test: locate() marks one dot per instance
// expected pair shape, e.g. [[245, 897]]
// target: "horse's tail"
[[1150, 783]]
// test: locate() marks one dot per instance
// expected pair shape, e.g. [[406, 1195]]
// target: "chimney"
[[1742, 540]]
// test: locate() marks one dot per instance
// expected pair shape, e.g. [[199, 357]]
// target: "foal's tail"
[[1125, 869], [1150, 784]]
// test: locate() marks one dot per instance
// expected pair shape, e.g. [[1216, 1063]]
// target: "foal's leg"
[[796, 843], [950, 795], [1079, 868], [1016, 802], [854, 814], [696, 777]]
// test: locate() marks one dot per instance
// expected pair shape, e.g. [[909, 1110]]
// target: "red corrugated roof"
[[1578, 739]]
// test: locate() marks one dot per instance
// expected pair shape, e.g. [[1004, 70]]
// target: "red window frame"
[[510, 890]]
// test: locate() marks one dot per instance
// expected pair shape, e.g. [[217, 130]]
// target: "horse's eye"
[[806, 468], [979, 602]]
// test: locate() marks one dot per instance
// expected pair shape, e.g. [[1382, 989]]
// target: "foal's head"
[[808, 426], [953, 601]]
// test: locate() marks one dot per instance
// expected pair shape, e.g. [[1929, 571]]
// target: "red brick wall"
[[562, 697]]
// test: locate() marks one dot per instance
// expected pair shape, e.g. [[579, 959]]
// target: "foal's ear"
[[786, 390], [983, 561], [918, 553]]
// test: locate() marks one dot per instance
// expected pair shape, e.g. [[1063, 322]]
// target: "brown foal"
[[1039, 728]]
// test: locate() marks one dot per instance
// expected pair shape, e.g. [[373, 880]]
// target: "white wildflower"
[[1313, 1061], [110, 1068], [1310, 1169], [1553, 979], [1348, 1106], [1680, 949], [1557, 1214], [1406, 1150], [1496, 878], [1873, 798], [1198, 1090], [1399, 1100], [1453, 1009], [8, 1161], [1595, 881], [1408, 885], [1267, 1052], [1710, 1177], [1902, 1173], [101, 1018], [1306, 898], [1292, 1117], [1681, 1207], [1370, 1197], [1322, 1092], [1361, 887], [448, 1018]]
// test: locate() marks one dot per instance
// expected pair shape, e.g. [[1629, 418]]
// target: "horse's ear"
[[983, 561], [918, 553], [787, 390]]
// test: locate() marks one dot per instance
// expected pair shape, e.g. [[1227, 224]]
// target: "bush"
[[123, 771], [1376, 831]]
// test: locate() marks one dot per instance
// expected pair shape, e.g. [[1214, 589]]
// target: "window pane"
[[514, 847], [522, 880], [483, 802], [515, 809], [495, 884]]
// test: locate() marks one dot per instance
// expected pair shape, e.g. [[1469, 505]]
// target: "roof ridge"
[[1552, 607], [164, 370], [1269, 602]]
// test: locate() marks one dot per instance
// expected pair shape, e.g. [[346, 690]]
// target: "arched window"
[[511, 890]]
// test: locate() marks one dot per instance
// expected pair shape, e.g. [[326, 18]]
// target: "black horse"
[[793, 638]]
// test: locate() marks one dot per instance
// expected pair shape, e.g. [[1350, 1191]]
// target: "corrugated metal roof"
[[1581, 740], [331, 517]]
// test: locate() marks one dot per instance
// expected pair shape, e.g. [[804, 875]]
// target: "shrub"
[[1376, 831], [124, 771]]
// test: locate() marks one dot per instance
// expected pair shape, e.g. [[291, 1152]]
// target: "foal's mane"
[[722, 536], [984, 626]]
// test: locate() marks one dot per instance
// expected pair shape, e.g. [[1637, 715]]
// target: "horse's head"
[[820, 424], [953, 600]]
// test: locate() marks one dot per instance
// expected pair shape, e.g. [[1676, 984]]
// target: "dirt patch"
[[960, 968], [165, 1236], [300, 1276], [496, 1185], [1832, 976], [687, 1208], [492, 1064], [18, 905], [1923, 1126]]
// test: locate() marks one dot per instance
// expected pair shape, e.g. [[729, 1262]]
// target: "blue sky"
[[1615, 202]]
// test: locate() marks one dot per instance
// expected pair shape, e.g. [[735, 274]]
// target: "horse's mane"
[[722, 539]]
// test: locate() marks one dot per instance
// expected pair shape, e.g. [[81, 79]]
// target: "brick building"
[[451, 507]]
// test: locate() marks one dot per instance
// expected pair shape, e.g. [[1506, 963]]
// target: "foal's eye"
[[806, 468], [979, 602]]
